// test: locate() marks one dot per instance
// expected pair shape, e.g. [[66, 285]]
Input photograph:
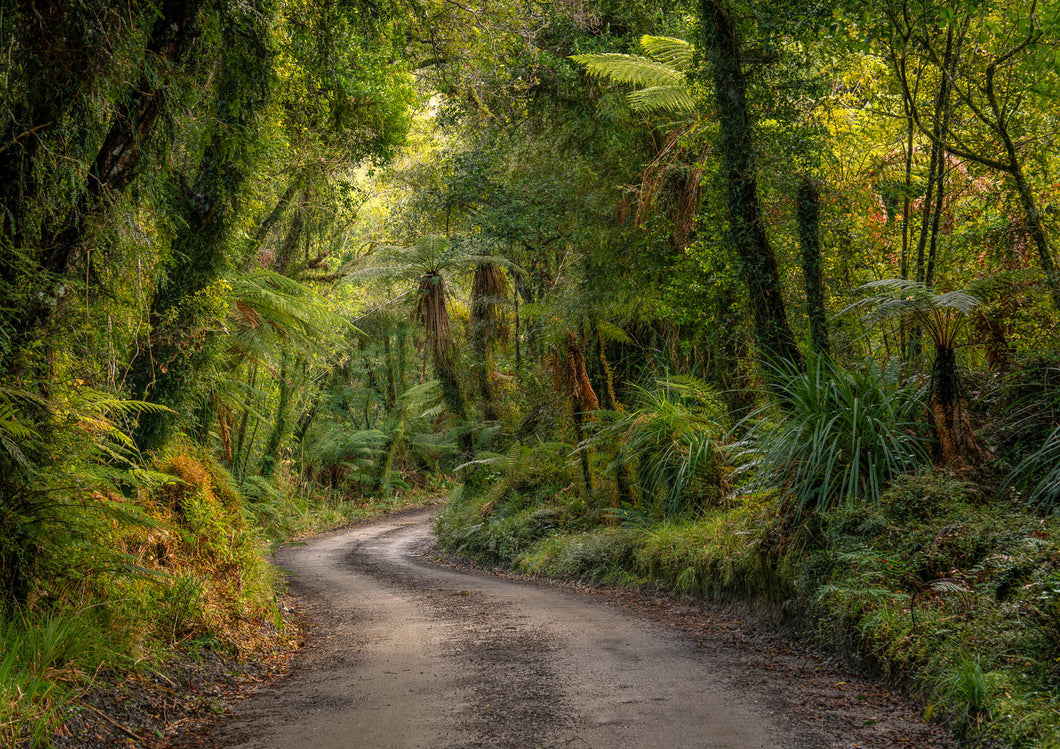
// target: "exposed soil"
[[405, 652], [138, 709]]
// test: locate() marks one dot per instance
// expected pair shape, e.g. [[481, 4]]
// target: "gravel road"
[[406, 653]]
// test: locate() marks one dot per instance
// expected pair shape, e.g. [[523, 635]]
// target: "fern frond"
[[661, 99], [674, 53], [630, 69], [272, 306]]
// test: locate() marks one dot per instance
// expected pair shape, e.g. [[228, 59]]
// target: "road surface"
[[406, 653]]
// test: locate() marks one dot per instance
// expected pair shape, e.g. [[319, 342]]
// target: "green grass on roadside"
[[192, 576]]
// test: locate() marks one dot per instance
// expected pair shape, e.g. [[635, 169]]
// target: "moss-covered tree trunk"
[[117, 161], [807, 209], [181, 341], [958, 447], [757, 260], [279, 426]]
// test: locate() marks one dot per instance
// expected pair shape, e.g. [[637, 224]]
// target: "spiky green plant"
[[659, 74], [1038, 474], [965, 686], [833, 436], [673, 436], [268, 310]]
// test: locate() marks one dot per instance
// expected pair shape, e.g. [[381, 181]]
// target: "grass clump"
[[833, 436]]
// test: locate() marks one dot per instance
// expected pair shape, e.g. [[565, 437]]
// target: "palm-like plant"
[[427, 263], [659, 74], [942, 317]]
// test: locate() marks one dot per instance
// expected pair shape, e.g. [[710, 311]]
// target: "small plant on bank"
[[965, 687]]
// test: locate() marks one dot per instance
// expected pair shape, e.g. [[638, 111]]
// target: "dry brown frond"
[[686, 207], [432, 313], [246, 316], [489, 290], [673, 172]]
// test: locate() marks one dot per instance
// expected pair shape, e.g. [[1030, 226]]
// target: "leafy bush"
[[204, 545], [923, 496], [834, 436], [673, 438]]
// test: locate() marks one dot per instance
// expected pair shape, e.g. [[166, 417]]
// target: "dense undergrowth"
[[949, 585], [177, 572]]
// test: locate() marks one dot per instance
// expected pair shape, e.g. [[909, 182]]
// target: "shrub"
[[923, 496], [673, 438]]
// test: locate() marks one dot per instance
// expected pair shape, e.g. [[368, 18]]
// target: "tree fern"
[[677, 53], [659, 76], [270, 308]]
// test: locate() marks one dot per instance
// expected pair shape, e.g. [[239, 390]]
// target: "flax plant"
[[832, 436]]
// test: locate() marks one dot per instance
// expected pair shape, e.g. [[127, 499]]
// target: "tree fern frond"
[[271, 305], [608, 331], [661, 99], [674, 53], [630, 69]]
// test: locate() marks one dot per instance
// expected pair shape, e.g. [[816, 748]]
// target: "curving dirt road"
[[404, 653]]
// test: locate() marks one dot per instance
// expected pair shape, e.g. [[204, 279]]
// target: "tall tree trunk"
[[267, 466], [807, 201], [907, 185], [391, 380], [936, 219], [401, 341], [488, 291], [286, 251], [932, 206], [757, 260], [57, 66], [241, 434], [262, 232], [1035, 227], [118, 161]]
